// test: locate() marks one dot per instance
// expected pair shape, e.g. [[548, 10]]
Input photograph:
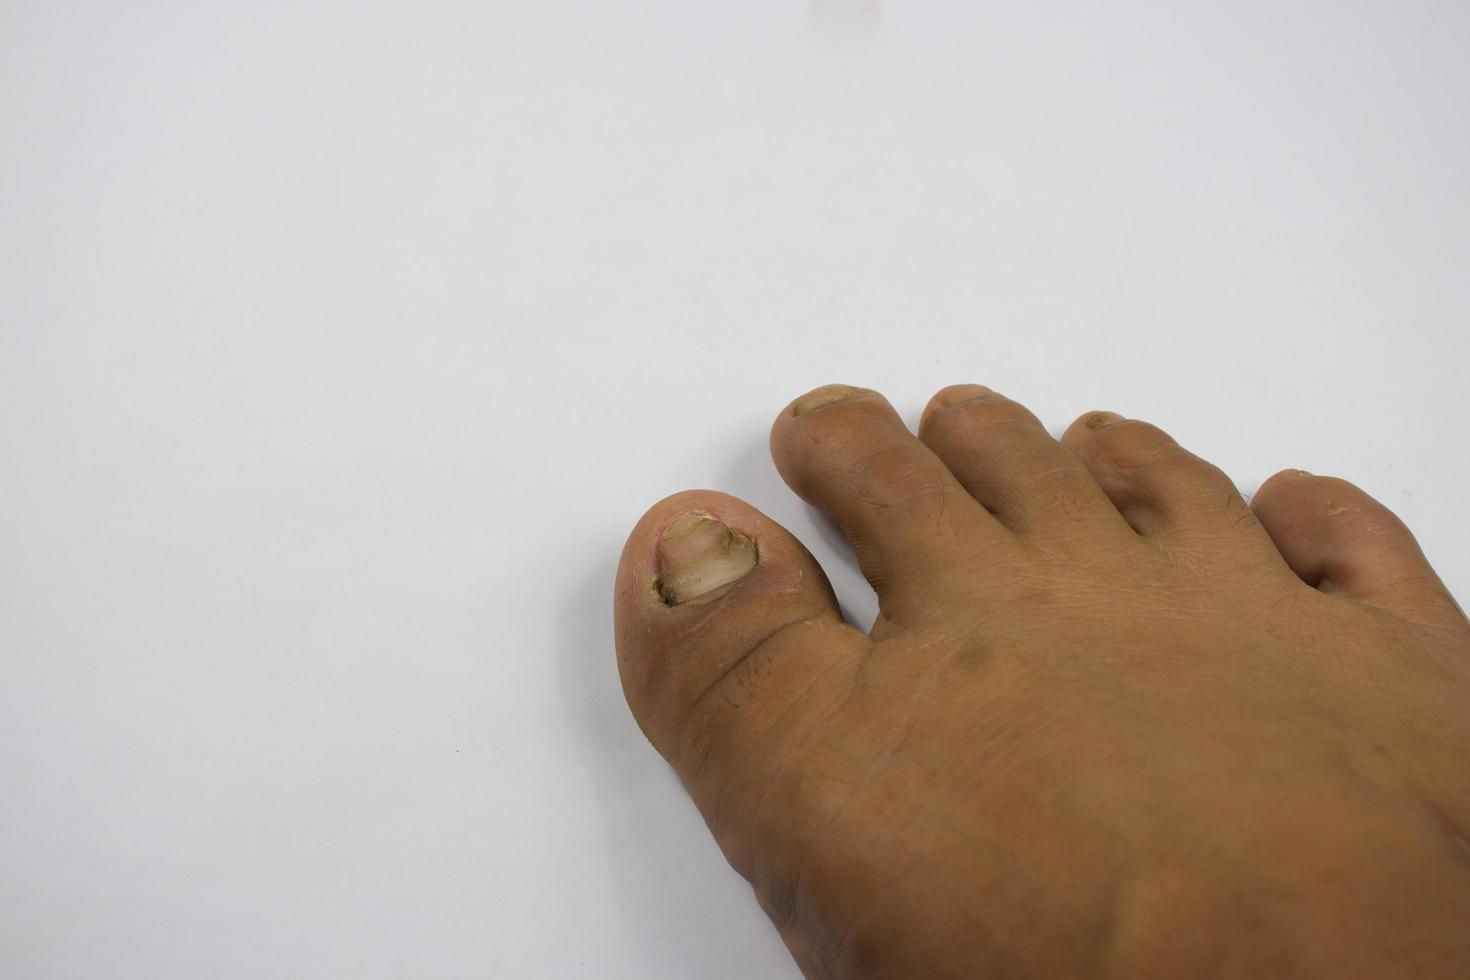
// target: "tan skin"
[[1112, 720]]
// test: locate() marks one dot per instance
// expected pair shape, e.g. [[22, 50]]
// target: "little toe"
[[1006, 459], [910, 522], [1341, 540], [728, 636], [1160, 487]]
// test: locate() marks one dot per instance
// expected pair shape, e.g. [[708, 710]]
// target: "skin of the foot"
[[1112, 719]]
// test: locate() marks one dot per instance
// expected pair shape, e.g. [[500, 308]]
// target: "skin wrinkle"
[[697, 707], [1443, 629], [802, 745], [722, 820], [1172, 462], [888, 758], [794, 888], [835, 817], [1001, 500], [862, 466], [790, 901], [1006, 415], [1109, 440], [1075, 509], [1057, 491], [762, 646], [1457, 834]]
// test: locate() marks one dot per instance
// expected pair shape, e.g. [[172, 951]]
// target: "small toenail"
[[1101, 420], [826, 395], [1302, 473], [955, 394], [697, 554]]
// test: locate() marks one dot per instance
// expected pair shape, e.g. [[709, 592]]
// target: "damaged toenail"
[[1101, 420], [826, 395], [697, 554]]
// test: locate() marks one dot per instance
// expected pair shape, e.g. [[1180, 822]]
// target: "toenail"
[[1101, 420], [697, 554], [1302, 473], [956, 394], [826, 395]]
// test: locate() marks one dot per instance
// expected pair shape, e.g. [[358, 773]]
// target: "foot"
[[1112, 719]]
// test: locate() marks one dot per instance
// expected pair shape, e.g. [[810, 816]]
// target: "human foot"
[[1111, 720]]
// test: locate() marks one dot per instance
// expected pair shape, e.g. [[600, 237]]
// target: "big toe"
[[730, 646]]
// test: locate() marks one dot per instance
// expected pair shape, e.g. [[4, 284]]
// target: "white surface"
[[341, 344]]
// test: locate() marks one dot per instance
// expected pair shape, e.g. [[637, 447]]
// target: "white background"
[[341, 344]]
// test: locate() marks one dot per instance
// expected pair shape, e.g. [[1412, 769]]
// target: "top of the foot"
[[1113, 718]]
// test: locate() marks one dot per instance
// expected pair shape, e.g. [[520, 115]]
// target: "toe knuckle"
[[1324, 498], [1287, 486], [896, 476], [982, 419], [1290, 477], [1207, 474], [1132, 444], [839, 424]]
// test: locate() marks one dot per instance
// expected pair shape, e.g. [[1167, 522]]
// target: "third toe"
[[1007, 460]]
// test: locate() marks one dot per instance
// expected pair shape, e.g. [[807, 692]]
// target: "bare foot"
[[1111, 720]]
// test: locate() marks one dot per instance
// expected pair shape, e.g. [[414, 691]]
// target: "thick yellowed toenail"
[[697, 554], [826, 395], [1101, 420]]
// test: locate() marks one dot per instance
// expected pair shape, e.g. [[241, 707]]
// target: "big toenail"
[[697, 554], [826, 395], [1101, 420]]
